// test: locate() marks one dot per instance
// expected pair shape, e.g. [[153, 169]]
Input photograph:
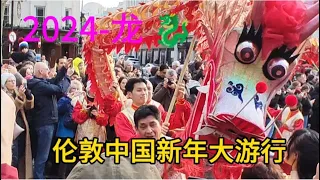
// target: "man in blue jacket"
[[44, 116]]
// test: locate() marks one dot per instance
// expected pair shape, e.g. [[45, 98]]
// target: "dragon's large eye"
[[246, 52], [278, 62], [277, 68]]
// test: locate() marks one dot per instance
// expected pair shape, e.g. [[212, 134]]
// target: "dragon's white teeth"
[[203, 89], [204, 131]]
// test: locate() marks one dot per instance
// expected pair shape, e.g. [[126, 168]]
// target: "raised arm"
[[49, 89], [60, 75], [180, 117], [159, 93]]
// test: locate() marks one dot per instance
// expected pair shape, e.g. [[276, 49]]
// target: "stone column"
[[176, 53]]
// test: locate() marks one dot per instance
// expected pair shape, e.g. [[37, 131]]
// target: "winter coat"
[[66, 126], [23, 104], [45, 93]]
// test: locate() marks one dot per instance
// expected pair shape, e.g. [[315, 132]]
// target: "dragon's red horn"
[[312, 20], [209, 35], [312, 11]]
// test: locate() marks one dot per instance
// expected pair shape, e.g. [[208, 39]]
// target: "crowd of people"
[[57, 102]]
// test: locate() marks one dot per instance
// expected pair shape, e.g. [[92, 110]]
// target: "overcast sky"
[[105, 3]]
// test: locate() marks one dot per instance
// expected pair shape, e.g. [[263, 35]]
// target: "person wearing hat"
[[291, 119], [25, 53], [30, 54]]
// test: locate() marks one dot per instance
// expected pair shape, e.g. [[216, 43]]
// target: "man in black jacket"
[[159, 77], [44, 116]]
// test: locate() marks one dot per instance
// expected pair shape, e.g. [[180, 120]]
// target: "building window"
[[144, 56], [139, 55], [163, 54], [40, 14], [149, 56], [170, 56], [155, 56], [6, 16], [68, 24]]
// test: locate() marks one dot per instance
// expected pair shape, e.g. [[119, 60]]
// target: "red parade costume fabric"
[[298, 123], [79, 115], [125, 130], [112, 107], [282, 29], [8, 172], [212, 24]]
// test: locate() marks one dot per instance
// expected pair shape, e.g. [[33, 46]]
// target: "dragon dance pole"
[[315, 66], [184, 69], [113, 76], [275, 125]]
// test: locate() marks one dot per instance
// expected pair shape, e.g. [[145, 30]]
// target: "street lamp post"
[[12, 3], [12, 43], [81, 24]]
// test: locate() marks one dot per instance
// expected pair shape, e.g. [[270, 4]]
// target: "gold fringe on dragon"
[[242, 42]]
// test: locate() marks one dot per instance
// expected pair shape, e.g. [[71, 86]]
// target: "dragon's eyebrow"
[[283, 52], [251, 35]]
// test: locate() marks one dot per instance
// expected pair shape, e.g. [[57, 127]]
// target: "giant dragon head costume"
[[243, 43]]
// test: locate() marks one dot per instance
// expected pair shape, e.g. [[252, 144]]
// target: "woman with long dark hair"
[[122, 83], [303, 153]]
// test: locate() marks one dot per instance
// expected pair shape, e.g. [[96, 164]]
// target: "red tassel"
[[108, 49], [148, 41], [156, 40], [127, 48], [119, 47], [137, 47]]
